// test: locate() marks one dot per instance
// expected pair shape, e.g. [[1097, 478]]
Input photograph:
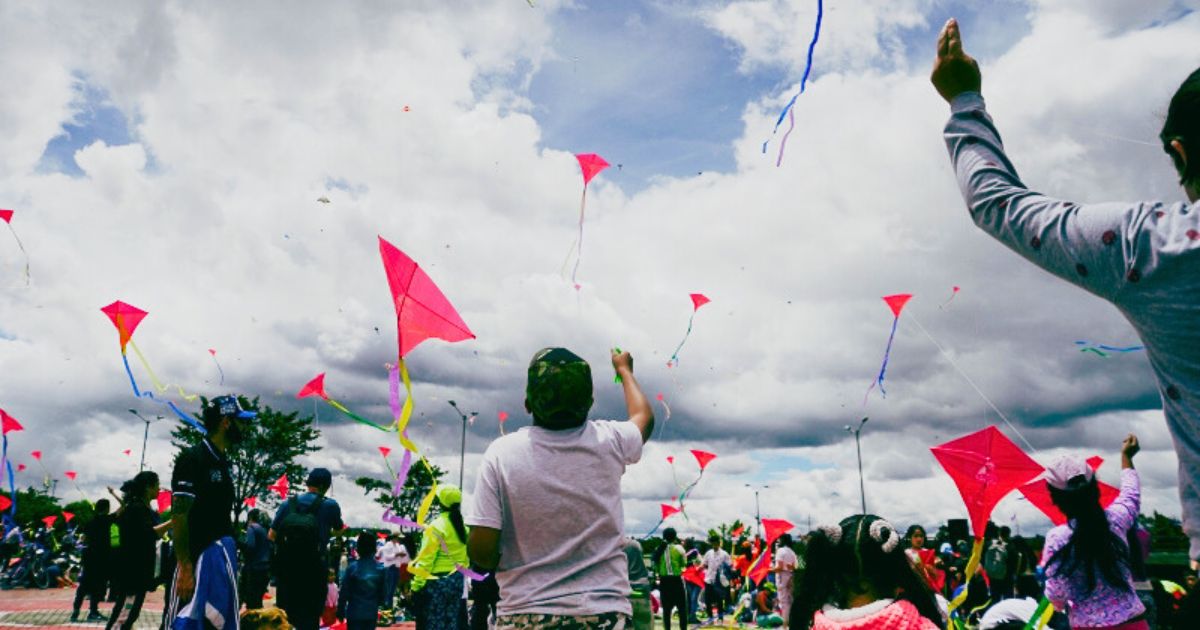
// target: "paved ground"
[[51, 608]]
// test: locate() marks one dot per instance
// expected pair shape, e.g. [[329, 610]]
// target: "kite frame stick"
[[952, 362]]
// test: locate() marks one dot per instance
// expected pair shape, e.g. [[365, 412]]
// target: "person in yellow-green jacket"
[[437, 586]]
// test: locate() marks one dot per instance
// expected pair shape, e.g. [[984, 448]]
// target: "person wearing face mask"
[[202, 521]]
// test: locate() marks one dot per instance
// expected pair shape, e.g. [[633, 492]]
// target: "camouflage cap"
[[559, 390]]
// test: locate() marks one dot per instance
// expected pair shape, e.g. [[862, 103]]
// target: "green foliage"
[[420, 480], [268, 449], [84, 512], [1166, 534], [33, 505]]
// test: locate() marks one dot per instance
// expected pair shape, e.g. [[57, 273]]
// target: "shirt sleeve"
[[628, 441], [487, 502], [1123, 512], [1104, 248], [184, 475]]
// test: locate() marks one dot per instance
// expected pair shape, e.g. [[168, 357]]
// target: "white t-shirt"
[[555, 496], [784, 556], [393, 554], [714, 562]]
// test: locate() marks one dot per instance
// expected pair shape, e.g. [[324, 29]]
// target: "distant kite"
[[590, 165], [698, 300], [896, 304], [6, 216], [323, 199]]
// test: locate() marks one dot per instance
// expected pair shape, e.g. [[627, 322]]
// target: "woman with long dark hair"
[[857, 575], [437, 586], [133, 569], [1087, 560]]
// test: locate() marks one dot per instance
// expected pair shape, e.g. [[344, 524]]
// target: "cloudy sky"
[[171, 156]]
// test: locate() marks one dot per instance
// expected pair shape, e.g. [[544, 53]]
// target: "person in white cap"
[[1087, 560]]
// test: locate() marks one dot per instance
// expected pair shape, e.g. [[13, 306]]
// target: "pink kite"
[[953, 293], [6, 216], [698, 300], [1038, 494], [422, 312], [776, 527], [163, 500], [280, 486], [70, 475], [502, 417], [250, 502], [9, 423], [316, 387], [49, 520], [383, 450], [20, 467], [67, 516], [5, 503], [896, 304], [127, 451], [591, 165], [703, 458], [671, 459], [126, 318], [668, 510], [36, 455]]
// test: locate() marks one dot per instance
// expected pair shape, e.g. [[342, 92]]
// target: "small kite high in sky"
[[6, 216], [698, 300], [896, 304], [590, 165], [126, 319], [316, 387], [281, 486], [787, 109], [213, 353], [953, 294]]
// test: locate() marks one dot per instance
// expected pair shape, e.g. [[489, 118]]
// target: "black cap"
[[320, 478]]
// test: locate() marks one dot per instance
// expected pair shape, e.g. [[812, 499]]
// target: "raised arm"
[[641, 413]]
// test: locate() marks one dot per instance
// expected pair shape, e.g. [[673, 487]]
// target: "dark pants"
[[92, 584], [124, 619], [480, 611], [714, 597], [1002, 588], [254, 587], [302, 597], [360, 624], [391, 577], [670, 590]]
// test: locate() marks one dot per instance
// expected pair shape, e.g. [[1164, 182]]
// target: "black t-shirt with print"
[[202, 473]]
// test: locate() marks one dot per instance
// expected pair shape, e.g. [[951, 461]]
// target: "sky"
[[171, 156]]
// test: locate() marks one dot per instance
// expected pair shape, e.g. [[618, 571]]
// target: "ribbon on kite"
[[218, 364], [896, 304], [1041, 616], [668, 510], [316, 387], [787, 109], [126, 319], [1102, 350], [985, 466], [698, 300], [6, 216], [590, 165]]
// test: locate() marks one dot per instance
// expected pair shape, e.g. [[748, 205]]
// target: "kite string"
[[954, 364], [579, 256], [222, 372], [21, 246]]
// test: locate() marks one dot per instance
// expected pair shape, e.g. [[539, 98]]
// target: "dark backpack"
[[995, 561], [297, 544]]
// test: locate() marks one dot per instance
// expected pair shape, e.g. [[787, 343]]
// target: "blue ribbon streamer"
[[150, 395], [883, 368], [803, 81]]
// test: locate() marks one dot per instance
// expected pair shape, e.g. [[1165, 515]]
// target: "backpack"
[[297, 545], [995, 561]]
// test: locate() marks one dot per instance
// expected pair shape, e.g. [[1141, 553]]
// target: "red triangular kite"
[[758, 570], [67, 516], [49, 520], [163, 500], [20, 467], [250, 502], [503, 415], [668, 510], [383, 450], [281, 486], [315, 387], [591, 165], [6, 216], [703, 458], [1038, 494], [737, 532], [9, 423], [698, 300], [70, 475], [985, 466], [127, 451], [422, 311], [776, 527], [126, 318], [897, 302], [5, 503]]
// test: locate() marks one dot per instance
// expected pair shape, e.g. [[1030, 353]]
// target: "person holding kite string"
[[547, 514], [1087, 560], [1142, 257]]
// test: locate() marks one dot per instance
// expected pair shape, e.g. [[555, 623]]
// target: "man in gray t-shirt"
[[546, 513]]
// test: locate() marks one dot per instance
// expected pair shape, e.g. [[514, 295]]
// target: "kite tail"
[[654, 529], [812, 45], [406, 410], [1122, 349], [887, 352], [426, 503], [219, 370], [1094, 351], [972, 567], [154, 377], [150, 395], [21, 246], [783, 143], [674, 360], [579, 257], [1041, 616], [667, 413], [357, 418]]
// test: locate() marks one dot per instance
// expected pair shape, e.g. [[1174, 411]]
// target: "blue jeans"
[[391, 577], [693, 594]]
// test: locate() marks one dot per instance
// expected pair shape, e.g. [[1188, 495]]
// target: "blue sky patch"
[[95, 118]]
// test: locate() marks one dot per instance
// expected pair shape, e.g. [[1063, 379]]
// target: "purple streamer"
[[478, 577], [388, 517], [883, 368], [783, 143], [402, 474], [812, 45]]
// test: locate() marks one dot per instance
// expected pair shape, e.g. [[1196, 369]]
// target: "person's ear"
[[1177, 147]]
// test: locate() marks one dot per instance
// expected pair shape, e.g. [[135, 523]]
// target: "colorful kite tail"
[[1041, 616], [812, 45], [968, 573], [188, 420], [675, 355], [786, 135], [579, 256], [887, 353]]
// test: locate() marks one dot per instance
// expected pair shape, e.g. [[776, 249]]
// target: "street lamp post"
[[145, 436], [862, 489], [757, 513], [462, 453]]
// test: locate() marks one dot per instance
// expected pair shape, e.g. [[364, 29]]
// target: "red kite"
[[49, 520], [70, 475], [280, 486], [36, 455], [250, 502], [127, 451], [126, 318], [163, 500], [316, 387], [9, 423], [591, 165], [422, 312], [953, 293], [703, 458], [5, 503], [67, 516], [502, 416], [896, 304], [776, 527], [6, 216], [20, 467], [760, 567], [668, 510], [385, 451], [698, 300], [737, 532], [1038, 494]]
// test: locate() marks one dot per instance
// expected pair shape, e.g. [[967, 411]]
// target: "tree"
[[269, 448], [420, 480], [33, 505]]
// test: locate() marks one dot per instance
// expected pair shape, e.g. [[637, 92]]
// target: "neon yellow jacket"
[[432, 558]]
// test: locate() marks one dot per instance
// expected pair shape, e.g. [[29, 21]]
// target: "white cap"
[[1066, 468]]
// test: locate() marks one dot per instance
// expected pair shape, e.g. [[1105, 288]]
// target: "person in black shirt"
[[301, 574], [256, 550], [201, 513], [96, 560], [133, 569]]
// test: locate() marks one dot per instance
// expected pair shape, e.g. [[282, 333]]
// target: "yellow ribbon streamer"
[[154, 377], [972, 567], [426, 503]]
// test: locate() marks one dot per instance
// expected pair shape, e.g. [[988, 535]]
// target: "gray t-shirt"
[[1143, 257], [555, 496]]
